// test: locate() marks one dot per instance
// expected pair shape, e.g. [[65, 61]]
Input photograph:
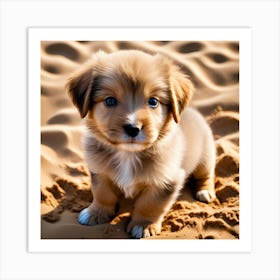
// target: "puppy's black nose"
[[131, 130]]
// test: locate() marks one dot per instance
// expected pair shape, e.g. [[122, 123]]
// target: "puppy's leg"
[[151, 207], [104, 202], [204, 178], [205, 191]]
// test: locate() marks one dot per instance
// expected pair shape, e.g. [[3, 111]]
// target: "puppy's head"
[[129, 98]]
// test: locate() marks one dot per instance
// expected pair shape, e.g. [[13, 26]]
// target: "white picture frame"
[[17, 260], [241, 35]]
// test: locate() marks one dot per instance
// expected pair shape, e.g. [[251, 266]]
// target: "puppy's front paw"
[[85, 218], [91, 218], [137, 232], [205, 196], [141, 231]]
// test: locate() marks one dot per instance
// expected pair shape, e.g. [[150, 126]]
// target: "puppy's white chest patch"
[[125, 174]]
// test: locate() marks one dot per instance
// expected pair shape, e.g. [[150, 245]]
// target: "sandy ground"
[[65, 183]]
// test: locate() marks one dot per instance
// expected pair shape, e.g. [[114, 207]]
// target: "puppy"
[[142, 140]]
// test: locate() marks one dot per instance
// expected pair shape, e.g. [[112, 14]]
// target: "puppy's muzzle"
[[131, 130]]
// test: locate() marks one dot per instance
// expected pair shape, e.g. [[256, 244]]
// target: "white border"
[[263, 260], [243, 35]]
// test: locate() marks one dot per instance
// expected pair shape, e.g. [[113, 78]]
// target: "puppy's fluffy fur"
[[142, 140]]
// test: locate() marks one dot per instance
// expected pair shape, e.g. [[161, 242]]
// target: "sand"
[[65, 183]]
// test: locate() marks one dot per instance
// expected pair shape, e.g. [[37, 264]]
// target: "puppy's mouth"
[[127, 138], [132, 141], [136, 138], [132, 146]]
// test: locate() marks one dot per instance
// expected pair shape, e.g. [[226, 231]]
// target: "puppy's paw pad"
[[85, 218], [137, 232], [205, 196]]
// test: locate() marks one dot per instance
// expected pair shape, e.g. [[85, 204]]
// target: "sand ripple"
[[65, 182]]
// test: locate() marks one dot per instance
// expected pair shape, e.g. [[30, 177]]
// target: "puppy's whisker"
[[114, 130]]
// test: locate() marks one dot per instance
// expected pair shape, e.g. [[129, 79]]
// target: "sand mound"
[[65, 181]]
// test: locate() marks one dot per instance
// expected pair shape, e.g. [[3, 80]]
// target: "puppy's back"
[[200, 148]]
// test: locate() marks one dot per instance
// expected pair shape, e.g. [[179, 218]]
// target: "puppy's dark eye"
[[153, 102], [110, 102]]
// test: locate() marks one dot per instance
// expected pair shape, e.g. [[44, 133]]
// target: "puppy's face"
[[129, 97]]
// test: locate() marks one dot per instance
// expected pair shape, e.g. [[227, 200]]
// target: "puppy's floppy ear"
[[180, 90], [79, 87]]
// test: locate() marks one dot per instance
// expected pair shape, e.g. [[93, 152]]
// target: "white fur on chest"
[[127, 163]]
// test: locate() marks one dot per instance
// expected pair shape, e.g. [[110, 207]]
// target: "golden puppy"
[[141, 141]]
